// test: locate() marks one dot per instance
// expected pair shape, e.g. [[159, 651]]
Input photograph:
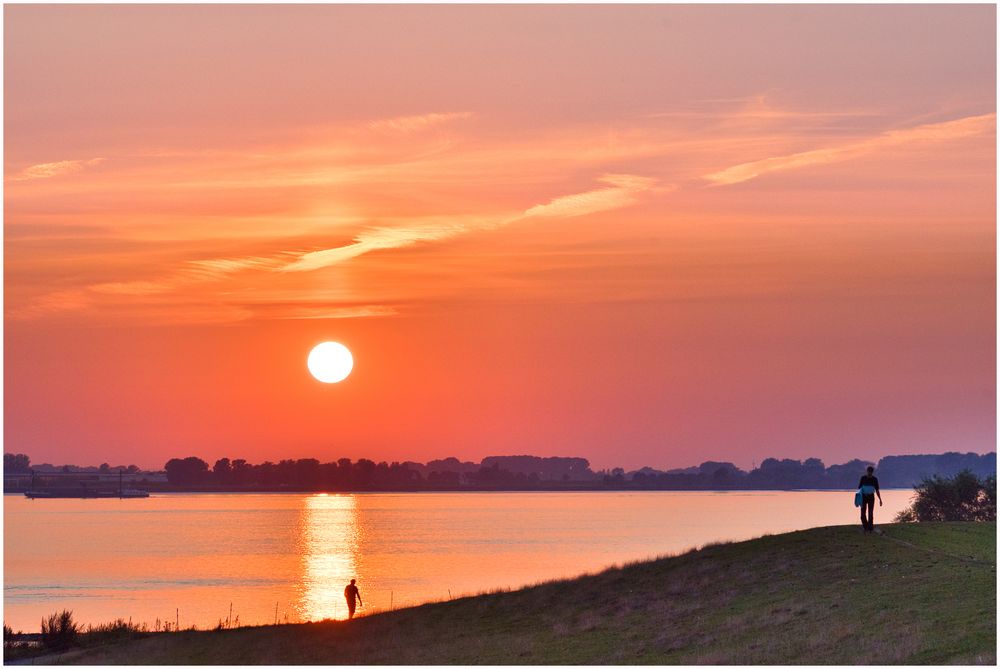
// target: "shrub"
[[963, 496], [59, 631], [16, 647]]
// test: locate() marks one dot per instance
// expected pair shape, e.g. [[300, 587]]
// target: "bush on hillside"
[[963, 496], [59, 631]]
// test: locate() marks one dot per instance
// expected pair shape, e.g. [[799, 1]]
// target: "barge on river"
[[90, 487]]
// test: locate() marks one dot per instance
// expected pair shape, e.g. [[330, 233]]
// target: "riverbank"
[[917, 594]]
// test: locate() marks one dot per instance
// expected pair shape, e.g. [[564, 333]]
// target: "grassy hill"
[[920, 593]]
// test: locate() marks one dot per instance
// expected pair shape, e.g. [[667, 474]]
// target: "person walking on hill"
[[869, 489], [353, 598]]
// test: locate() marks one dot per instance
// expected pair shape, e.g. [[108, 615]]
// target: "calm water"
[[146, 558]]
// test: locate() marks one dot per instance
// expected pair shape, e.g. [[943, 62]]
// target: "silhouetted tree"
[[240, 471], [307, 472], [363, 473], [544, 469], [443, 478], [616, 476], [402, 474], [963, 496], [785, 473], [847, 474], [187, 471], [721, 476], [265, 473], [345, 473], [222, 470], [16, 463], [452, 465], [494, 475], [284, 471]]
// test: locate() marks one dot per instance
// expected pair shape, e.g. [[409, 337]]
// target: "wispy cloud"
[[134, 287], [419, 122], [305, 204], [374, 239], [756, 107], [49, 170], [195, 271], [948, 130], [52, 303], [214, 268], [623, 191], [321, 312]]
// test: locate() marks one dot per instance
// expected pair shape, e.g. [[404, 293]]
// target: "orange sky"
[[642, 235]]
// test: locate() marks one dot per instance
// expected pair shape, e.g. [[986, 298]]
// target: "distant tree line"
[[305, 473], [19, 463], [362, 474], [529, 471], [526, 471], [894, 471]]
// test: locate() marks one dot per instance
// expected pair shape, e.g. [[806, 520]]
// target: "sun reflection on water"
[[329, 546]]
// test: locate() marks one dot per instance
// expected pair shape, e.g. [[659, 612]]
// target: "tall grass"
[[117, 630]]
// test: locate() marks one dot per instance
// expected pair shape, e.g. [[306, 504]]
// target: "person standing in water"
[[353, 598], [869, 489]]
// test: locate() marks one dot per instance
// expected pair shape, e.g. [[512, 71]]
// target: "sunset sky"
[[642, 235]]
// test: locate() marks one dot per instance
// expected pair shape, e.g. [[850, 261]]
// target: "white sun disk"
[[330, 362]]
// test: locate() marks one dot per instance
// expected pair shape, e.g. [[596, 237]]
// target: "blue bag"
[[857, 498]]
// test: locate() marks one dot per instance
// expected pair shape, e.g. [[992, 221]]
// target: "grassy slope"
[[919, 594]]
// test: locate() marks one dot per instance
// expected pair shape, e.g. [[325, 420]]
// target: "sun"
[[330, 362]]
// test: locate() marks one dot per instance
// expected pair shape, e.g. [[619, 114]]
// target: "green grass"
[[920, 594]]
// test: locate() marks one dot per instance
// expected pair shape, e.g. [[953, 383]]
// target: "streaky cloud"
[[374, 239], [211, 269], [620, 190], [197, 271], [52, 303], [948, 130], [319, 313], [418, 122], [55, 169], [623, 191]]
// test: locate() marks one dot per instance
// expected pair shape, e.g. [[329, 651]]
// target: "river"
[[189, 557]]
